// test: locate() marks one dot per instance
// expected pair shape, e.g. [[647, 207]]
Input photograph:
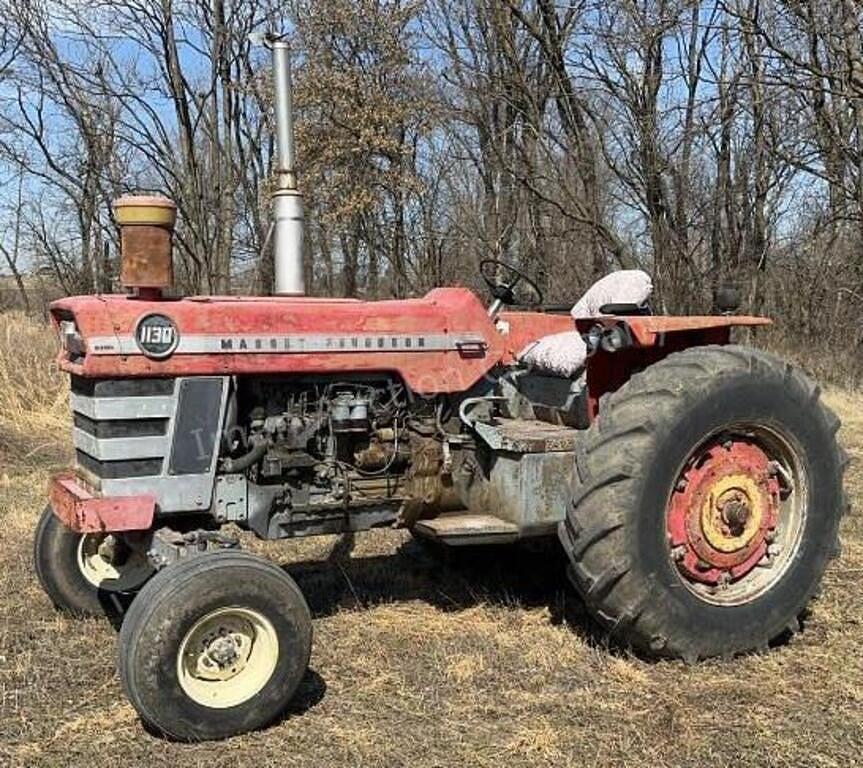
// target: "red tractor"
[[695, 485]]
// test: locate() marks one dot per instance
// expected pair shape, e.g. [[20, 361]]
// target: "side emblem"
[[157, 336]]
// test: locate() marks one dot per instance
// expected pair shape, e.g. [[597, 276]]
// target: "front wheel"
[[214, 646], [85, 574], [706, 502]]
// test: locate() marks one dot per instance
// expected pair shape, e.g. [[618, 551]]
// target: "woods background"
[[705, 142]]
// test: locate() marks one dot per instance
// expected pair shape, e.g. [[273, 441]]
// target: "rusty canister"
[[146, 240]]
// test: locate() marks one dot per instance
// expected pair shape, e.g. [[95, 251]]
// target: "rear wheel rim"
[[227, 657], [121, 571], [736, 514]]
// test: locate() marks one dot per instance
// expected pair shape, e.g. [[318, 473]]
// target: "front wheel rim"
[[107, 564], [736, 514], [227, 657]]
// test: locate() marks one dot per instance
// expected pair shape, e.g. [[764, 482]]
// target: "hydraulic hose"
[[246, 460]]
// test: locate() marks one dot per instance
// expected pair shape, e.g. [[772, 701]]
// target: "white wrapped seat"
[[564, 354]]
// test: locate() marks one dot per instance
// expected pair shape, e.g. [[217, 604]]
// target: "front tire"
[[85, 574], [214, 646], [706, 503]]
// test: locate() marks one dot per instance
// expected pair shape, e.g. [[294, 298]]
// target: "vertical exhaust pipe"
[[287, 201]]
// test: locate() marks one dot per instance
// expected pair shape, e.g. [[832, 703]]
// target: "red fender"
[[650, 338]]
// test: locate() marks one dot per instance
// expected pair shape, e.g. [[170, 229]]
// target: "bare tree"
[[12, 252], [364, 115], [706, 142], [77, 161]]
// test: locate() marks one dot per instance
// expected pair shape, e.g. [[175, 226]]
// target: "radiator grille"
[[153, 436], [116, 470], [121, 427], [116, 433]]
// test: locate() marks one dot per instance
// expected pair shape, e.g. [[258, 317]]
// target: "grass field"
[[487, 660]]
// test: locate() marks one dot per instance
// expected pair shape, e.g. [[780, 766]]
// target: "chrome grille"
[[128, 437], [122, 427]]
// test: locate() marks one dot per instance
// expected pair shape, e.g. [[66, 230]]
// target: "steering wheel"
[[504, 292]]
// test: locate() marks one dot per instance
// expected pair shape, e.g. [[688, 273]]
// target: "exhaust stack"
[[287, 200]]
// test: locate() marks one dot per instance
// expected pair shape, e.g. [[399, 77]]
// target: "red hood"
[[443, 342]]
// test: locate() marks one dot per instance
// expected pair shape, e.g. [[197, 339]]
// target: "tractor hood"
[[443, 342]]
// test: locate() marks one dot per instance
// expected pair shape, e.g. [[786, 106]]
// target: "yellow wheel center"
[[732, 512], [227, 657], [103, 569]]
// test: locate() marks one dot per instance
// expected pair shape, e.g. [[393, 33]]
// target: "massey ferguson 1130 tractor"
[[695, 485]]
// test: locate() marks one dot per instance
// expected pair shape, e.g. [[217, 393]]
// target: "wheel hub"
[[223, 651], [107, 563], [732, 510], [723, 512], [223, 654], [735, 513], [227, 657]]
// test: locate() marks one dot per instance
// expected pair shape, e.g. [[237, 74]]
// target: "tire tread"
[[603, 494], [163, 589]]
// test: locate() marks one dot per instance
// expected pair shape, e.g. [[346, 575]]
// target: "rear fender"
[[647, 340]]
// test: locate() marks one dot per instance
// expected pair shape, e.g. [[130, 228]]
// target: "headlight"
[[70, 339], [593, 337], [615, 338]]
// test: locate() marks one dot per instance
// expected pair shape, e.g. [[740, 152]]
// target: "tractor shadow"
[[528, 575]]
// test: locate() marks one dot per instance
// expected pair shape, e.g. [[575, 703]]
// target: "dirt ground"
[[485, 660]]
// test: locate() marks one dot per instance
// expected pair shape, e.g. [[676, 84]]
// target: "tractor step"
[[527, 436], [456, 529]]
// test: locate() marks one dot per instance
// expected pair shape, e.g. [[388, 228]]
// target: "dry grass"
[[486, 660], [33, 393]]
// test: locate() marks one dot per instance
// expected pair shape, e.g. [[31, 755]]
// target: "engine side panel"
[[197, 425]]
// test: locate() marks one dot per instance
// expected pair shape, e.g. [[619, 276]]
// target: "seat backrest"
[[627, 286]]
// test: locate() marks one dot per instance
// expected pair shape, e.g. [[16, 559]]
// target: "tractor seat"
[[564, 354]]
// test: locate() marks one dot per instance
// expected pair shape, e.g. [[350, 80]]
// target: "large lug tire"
[[706, 503], [214, 646], [76, 575]]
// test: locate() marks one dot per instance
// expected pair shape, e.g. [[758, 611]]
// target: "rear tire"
[[214, 646], [632, 463], [76, 578]]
